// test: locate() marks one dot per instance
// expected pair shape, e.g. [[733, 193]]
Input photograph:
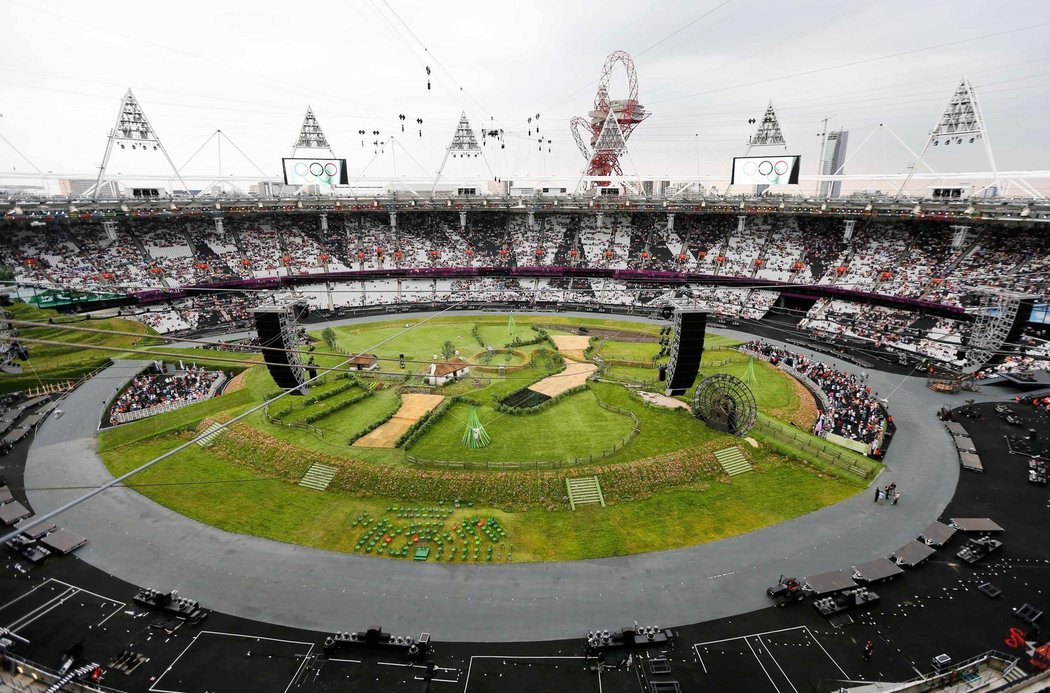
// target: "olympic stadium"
[[530, 417]]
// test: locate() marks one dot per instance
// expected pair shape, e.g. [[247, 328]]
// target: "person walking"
[[869, 650], [896, 497], [878, 492]]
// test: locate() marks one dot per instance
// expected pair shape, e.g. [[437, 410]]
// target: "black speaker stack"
[[687, 348], [276, 327]]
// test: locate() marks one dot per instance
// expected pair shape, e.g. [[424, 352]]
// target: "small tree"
[[448, 349], [328, 336]]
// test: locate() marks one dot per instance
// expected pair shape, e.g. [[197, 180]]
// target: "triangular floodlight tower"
[[768, 133], [311, 136], [610, 145], [961, 122], [132, 126], [464, 143]]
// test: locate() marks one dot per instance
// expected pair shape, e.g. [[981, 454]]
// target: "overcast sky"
[[251, 68]]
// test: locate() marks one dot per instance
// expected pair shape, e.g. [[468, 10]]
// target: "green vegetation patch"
[[73, 358], [663, 487]]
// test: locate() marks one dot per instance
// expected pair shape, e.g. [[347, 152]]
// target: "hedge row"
[[541, 336], [249, 447], [546, 404], [338, 406], [338, 389], [423, 424], [476, 331], [375, 424]]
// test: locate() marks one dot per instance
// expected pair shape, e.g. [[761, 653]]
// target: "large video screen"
[[765, 170], [326, 172]]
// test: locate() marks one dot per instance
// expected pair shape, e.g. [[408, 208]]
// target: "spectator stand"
[[160, 391]]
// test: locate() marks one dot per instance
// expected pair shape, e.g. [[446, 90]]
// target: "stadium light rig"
[[611, 122]]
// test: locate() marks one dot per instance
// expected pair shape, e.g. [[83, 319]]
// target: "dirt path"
[[662, 401], [571, 346], [574, 374], [413, 407]]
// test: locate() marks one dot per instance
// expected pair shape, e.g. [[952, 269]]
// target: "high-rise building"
[[832, 161]]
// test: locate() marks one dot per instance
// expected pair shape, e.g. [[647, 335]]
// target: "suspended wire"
[[297, 86], [793, 40], [437, 61], [853, 63], [37, 519], [713, 299]]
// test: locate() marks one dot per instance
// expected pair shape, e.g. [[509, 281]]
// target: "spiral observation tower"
[[610, 123]]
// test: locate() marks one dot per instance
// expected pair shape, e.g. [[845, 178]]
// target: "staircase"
[[733, 461], [210, 434], [318, 476], [584, 491]]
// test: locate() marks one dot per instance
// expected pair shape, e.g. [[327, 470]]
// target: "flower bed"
[[627, 481]]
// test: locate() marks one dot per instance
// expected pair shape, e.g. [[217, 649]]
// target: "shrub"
[[338, 389], [541, 337]]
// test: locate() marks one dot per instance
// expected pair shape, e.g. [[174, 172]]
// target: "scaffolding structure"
[[996, 316]]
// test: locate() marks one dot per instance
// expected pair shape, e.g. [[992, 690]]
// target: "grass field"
[[577, 427], [656, 503], [641, 352], [238, 499], [50, 364]]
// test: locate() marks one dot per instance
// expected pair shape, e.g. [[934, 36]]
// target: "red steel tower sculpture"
[[611, 122]]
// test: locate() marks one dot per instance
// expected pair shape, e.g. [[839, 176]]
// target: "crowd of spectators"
[[854, 411], [156, 388], [199, 312], [901, 258], [912, 258]]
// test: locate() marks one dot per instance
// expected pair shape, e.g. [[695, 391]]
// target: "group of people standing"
[[889, 492]]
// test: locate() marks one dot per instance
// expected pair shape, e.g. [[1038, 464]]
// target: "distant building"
[[364, 362], [834, 158], [441, 373], [76, 187]]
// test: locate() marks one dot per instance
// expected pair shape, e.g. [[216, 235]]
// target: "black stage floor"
[[935, 608]]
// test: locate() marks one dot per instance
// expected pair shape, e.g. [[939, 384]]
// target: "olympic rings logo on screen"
[[316, 172], [769, 169]]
